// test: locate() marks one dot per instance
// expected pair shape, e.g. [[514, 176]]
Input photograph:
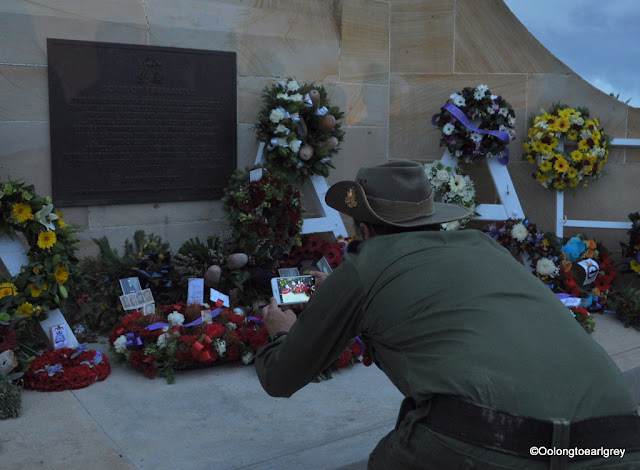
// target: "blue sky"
[[598, 40]]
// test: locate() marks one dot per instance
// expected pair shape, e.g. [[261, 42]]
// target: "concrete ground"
[[220, 418]]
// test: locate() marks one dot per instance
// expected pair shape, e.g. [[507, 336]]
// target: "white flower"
[[546, 267], [292, 85], [478, 94], [579, 121], [247, 358], [490, 110], [120, 345], [231, 325], [511, 120], [585, 134], [238, 311], [276, 115], [283, 142], [163, 340], [296, 97], [504, 111], [282, 96], [221, 346], [494, 97], [483, 89], [442, 175], [519, 232], [282, 129], [455, 96], [295, 145], [46, 217], [457, 184], [459, 101], [455, 225], [78, 329], [476, 137], [176, 318], [448, 128], [295, 117], [458, 153], [542, 124]]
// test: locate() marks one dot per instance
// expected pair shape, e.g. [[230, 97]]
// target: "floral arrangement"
[[450, 185], [566, 146], [554, 262], [164, 343], [265, 215], [66, 369], [300, 128], [476, 124], [44, 283], [311, 249], [626, 303], [631, 251]]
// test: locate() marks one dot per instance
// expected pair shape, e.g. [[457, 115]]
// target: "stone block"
[[362, 146], [415, 98], [250, 98], [247, 145], [422, 36], [167, 213], [271, 40], [364, 45], [25, 154], [362, 104], [25, 26], [23, 93], [496, 42]]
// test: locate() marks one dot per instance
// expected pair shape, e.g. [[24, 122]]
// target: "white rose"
[[162, 341], [276, 115], [295, 145], [282, 96], [120, 345], [282, 129], [176, 318], [283, 142], [296, 97], [221, 347], [292, 85], [442, 175], [231, 325]]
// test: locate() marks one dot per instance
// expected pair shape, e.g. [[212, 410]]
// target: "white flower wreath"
[[450, 185]]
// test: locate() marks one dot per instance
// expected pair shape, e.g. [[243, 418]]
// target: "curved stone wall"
[[389, 65]]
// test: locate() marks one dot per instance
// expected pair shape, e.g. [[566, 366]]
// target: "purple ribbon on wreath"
[[459, 114], [158, 325], [133, 341]]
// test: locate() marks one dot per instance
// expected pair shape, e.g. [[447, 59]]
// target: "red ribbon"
[[199, 349]]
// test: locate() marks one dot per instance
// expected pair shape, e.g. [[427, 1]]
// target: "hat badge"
[[350, 200]]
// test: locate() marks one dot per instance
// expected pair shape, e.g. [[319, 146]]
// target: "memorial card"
[[288, 272], [215, 296], [130, 285], [195, 292], [58, 336]]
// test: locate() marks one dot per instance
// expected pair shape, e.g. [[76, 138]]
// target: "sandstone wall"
[[389, 64]]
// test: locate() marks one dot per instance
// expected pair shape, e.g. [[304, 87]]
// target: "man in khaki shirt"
[[490, 362]]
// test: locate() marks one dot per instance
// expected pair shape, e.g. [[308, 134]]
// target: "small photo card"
[[195, 291], [215, 296], [130, 285], [206, 316], [591, 269], [149, 309], [58, 336], [324, 266], [255, 175], [139, 299], [288, 272], [147, 296], [126, 303], [571, 301]]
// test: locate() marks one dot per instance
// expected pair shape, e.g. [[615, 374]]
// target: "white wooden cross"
[[331, 221], [561, 218], [14, 256], [509, 207]]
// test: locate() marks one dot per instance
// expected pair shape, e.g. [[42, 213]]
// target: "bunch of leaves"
[[10, 398], [626, 303]]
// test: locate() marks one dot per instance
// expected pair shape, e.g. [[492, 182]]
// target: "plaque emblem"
[[350, 200], [149, 70]]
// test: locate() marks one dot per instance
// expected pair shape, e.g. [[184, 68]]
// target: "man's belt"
[[512, 434]]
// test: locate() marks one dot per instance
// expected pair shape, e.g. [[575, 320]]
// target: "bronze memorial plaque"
[[134, 123]]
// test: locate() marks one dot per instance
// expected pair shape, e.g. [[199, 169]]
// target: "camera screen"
[[296, 289]]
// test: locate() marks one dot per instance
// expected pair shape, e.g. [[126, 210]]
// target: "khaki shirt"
[[451, 313]]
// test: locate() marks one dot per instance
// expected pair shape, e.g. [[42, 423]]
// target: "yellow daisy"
[[559, 185], [573, 183], [561, 165], [635, 266], [25, 310], [544, 242], [537, 146], [583, 145], [61, 221], [22, 211], [61, 274], [527, 147], [546, 165], [572, 135], [572, 172], [541, 178], [546, 148], [46, 239], [577, 156], [35, 290], [530, 159], [7, 288], [563, 124]]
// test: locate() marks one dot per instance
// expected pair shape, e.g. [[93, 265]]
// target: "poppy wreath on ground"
[[476, 124], [311, 250], [265, 215], [50, 274], [66, 369], [567, 147], [300, 129]]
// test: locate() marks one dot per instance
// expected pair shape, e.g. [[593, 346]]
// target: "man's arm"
[[321, 332]]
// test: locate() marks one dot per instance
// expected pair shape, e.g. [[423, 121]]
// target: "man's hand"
[[319, 277], [277, 320]]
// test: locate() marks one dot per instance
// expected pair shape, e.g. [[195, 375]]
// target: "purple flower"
[[53, 370], [98, 357]]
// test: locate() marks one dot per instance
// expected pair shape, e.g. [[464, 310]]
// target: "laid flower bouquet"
[[265, 215], [50, 274], [567, 147], [522, 236], [67, 369], [311, 249], [476, 124], [631, 250], [451, 185], [300, 128]]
